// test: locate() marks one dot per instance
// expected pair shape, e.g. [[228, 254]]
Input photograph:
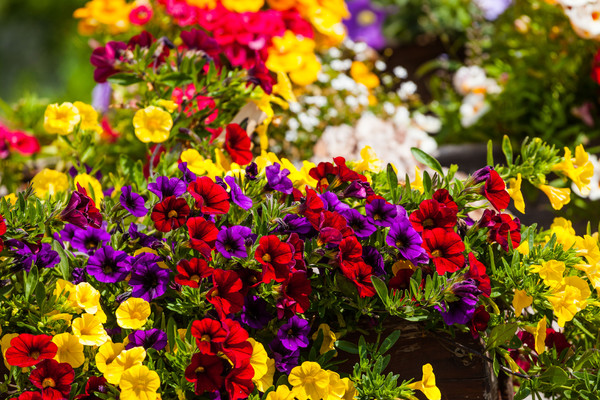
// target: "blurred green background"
[[41, 54]]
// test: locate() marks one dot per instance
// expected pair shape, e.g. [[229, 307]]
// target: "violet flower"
[[333, 203], [374, 259], [492, 9], [252, 171], [101, 96], [277, 179], [408, 241], [359, 223], [148, 280], [77, 276], [89, 240], [294, 333], [231, 241], [236, 194], [381, 213], [152, 338], [165, 187], [366, 23], [188, 176], [132, 202], [285, 359], [143, 239], [294, 223], [109, 265], [254, 313], [460, 311], [42, 257]]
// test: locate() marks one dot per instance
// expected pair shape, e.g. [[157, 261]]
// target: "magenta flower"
[[277, 179], [403, 237], [105, 60], [89, 240], [237, 195], [148, 280]]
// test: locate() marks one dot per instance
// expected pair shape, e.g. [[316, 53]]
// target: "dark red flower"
[[105, 59], [502, 228], [276, 258], [197, 39], [401, 281], [312, 207], [445, 248], [203, 235], [298, 245], [26, 350], [191, 272], [480, 320], [209, 335], [226, 294], [294, 295], [556, 339], [477, 272], [236, 345], [170, 214], [345, 174], [324, 173], [432, 214], [350, 250], [81, 210], [360, 274], [237, 144], [494, 190], [259, 75], [52, 376], [205, 372], [238, 382], [210, 197], [2, 225], [443, 196], [94, 384], [333, 228]]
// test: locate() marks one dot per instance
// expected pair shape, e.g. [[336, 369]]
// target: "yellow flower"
[[61, 119], [427, 384], [152, 124], [417, 184], [139, 383], [309, 381], [300, 178], [133, 313], [125, 360], [113, 14], [87, 297], [243, 6], [539, 335], [350, 391], [283, 88], [91, 186], [11, 198], [294, 55], [89, 116], [337, 387], [49, 182], [550, 271], [258, 359], [587, 247], [570, 298], [369, 161], [266, 381], [168, 105], [66, 289], [281, 393], [523, 248], [558, 196], [329, 338], [5, 344], [361, 74], [579, 172], [199, 165], [209, 4], [514, 190], [107, 353], [521, 300], [89, 330], [308, 72], [70, 350]]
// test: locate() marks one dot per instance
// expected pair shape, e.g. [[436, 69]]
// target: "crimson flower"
[[203, 235], [238, 382], [502, 228], [276, 258], [350, 250], [494, 190], [236, 345], [81, 210], [433, 214], [205, 372], [480, 320], [298, 245], [445, 248], [210, 197], [294, 295], [93, 385], [477, 272], [359, 273], [333, 227], [443, 196], [237, 144], [226, 294], [105, 60], [312, 207], [26, 350], [52, 376], [191, 272], [2, 225], [170, 214], [209, 335]]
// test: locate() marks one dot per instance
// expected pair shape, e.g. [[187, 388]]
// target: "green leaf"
[[522, 393], [346, 346], [507, 150], [490, 153], [389, 341], [426, 159], [501, 334], [124, 79], [555, 376], [392, 182], [31, 281], [63, 265], [171, 332], [40, 295], [380, 288]]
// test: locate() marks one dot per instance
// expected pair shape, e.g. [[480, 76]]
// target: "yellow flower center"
[[428, 223], [205, 338], [35, 355], [266, 257], [172, 214], [399, 243], [199, 370], [48, 382], [215, 293], [366, 18], [153, 124], [195, 278], [436, 253]]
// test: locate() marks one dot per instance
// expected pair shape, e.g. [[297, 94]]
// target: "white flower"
[[402, 118], [472, 108], [334, 52], [470, 79], [295, 107], [389, 108], [407, 89], [400, 72], [584, 19], [428, 123], [380, 65]]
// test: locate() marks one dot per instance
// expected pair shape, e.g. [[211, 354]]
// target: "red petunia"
[[81, 210], [94, 384], [298, 245], [236, 345], [191, 272], [2, 225], [502, 228], [345, 174], [203, 235], [360, 274], [210, 197], [333, 228], [226, 294], [480, 320], [276, 258], [294, 295], [238, 382], [443, 196], [323, 173], [26, 350], [494, 190], [170, 214], [205, 372], [432, 214], [350, 250], [52, 376], [237, 144], [45, 395], [477, 272], [312, 207], [209, 335], [445, 248]]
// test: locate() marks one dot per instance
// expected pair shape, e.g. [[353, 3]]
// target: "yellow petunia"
[[89, 117], [281, 393], [61, 119], [570, 298], [514, 191], [258, 359], [350, 391], [125, 360], [87, 297], [309, 381], [243, 6], [152, 124], [550, 271], [5, 344], [521, 300], [65, 289], [266, 381], [337, 387], [417, 184], [369, 161], [427, 384], [89, 330], [558, 196], [139, 383], [361, 74], [133, 313], [10, 198], [70, 350], [294, 55], [168, 105], [587, 247], [49, 182], [329, 338], [539, 335], [91, 186], [107, 353], [580, 172]]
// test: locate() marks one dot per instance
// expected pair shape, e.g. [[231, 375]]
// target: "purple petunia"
[[165, 187], [374, 259], [332, 202], [143, 239], [109, 265], [366, 23], [285, 359], [359, 223], [381, 213], [152, 338], [358, 190], [237, 195], [101, 96], [294, 333], [293, 223], [188, 176], [461, 311], [251, 171], [231, 241], [77, 276], [492, 9], [132, 202], [277, 179], [89, 240], [148, 280], [254, 313], [407, 240]]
